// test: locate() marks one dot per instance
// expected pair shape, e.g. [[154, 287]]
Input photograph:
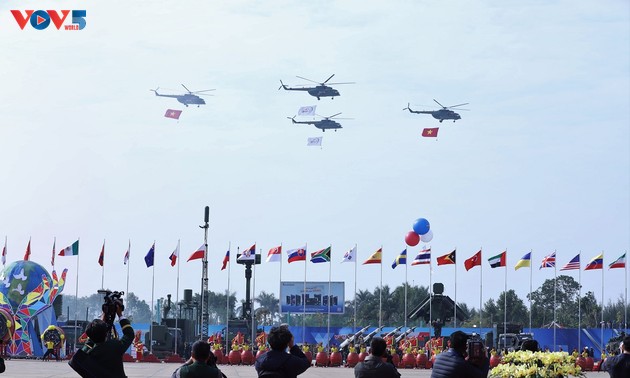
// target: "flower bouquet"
[[526, 364]]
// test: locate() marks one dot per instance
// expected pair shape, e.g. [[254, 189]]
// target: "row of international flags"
[[324, 255]]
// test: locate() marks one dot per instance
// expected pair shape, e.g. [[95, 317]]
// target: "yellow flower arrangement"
[[526, 364]]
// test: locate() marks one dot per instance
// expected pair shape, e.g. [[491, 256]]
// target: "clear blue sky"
[[541, 162]]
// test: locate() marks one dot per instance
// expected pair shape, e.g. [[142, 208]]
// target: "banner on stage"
[[312, 298]]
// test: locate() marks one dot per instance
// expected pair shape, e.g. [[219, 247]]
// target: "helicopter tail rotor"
[[292, 118], [407, 108]]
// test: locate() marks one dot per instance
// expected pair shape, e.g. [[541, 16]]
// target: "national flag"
[[573, 264], [200, 253], [498, 260], [596, 263], [430, 132], [148, 259], [401, 259], [101, 257], [449, 258], [226, 260], [274, 254], [475, 260], [126, 258], [27, 254], [524, 262], [173, 257], [321, 256], [619, 263], [248, 254], [375, 258], [548, 261], [424, 257], [307, 110], [52, 258], [172, 113], [4, 252], [315, 141], [350, 256], [72, 250], [297, 254]]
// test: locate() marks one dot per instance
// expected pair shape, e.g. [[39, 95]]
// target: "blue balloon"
[[421, 226]]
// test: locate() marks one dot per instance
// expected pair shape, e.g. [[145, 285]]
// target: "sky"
[[540, 163]]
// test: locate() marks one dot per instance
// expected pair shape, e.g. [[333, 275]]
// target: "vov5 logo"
[[41, 19]]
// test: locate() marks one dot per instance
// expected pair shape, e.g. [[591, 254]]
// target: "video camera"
[[111, 301], [475, 349]]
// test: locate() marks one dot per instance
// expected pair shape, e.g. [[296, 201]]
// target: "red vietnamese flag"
[[172, 113], [199, 253], [449, 258], [27, 254], [475, 260], [430, 132]]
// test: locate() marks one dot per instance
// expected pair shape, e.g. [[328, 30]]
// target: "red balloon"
[[412, 239]]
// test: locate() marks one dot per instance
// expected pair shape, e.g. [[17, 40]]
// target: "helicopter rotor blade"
[[331, 76], [454, 106], [439, 103], [205, 90], [312, 81], [349, 82], [186, 88], [334, 115]]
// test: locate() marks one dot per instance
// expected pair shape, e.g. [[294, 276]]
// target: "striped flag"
[[524, 262], [619, 263], [596, 263], [275, 254], [226, 260], [101, 257], [498, 260], [424, 257], [573, 264], [72, 250], [173, 257], [375, 258]]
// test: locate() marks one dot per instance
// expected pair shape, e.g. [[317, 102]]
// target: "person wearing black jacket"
[[452, 364], [373, 366], [619, 366], [277, 362]]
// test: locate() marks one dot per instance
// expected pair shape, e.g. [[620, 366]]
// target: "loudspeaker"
[[188, 296]]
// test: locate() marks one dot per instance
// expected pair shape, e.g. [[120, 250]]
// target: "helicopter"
[[442, 114], [324, 124], [190, 98], [321, 90]]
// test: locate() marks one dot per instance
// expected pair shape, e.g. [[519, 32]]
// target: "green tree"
[[566, 302], [516, 310], [270, 304], [591, 311]]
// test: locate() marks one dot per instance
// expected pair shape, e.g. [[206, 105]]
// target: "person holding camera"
[[202, 363], [373, 365], [619, 365], [277, 362], [453, 362], [108, 354]]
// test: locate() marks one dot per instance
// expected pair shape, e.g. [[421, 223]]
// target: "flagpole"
[[380, 294], [152, 291], [505, 302], [253, 320], [601, 339], [76, 291], [227, 300], [304, 292], [329, 299], [406, 284], [177, 298], [580, 301], [455, 304], [354, 322], [625, 307], [52, 261], [430, 296], [531, 252], [480, 286], [103, 268], [128, 263], [555, 289], [280, 284]]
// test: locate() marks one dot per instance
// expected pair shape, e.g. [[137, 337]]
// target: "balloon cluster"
[[421, 232]]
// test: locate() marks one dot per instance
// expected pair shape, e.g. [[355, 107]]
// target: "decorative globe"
[[20, 278]]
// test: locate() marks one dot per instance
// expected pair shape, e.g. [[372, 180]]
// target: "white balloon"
[[427, 237]]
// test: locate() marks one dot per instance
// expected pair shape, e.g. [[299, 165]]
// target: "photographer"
[[452, 363], [108, 354], [619, 365], [277, 362], [373, 365], [200, 365]]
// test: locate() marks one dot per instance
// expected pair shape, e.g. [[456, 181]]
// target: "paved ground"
[[33, 368]]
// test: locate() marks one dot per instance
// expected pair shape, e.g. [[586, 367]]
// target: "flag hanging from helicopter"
[[307, 110], [172, 113], [431, 132], [315, 141]]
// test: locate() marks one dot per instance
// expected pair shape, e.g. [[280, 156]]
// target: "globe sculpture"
[[27, 292]]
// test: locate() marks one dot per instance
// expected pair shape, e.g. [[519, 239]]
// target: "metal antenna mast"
[[204, 278]]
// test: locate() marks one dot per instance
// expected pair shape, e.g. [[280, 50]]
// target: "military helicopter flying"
[[321, 90], [190, 98], [442, 114], [323, 124]]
